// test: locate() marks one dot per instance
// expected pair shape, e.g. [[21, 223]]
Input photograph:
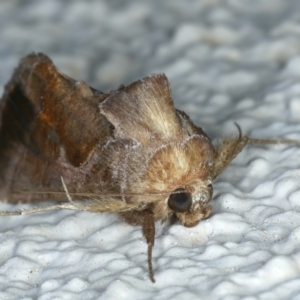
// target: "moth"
[[127, 151]]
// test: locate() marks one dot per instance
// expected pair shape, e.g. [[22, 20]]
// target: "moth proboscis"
[[128, 151]]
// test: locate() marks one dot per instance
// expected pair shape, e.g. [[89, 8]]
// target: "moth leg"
[[148, 229], [66, 190], [144, 218]]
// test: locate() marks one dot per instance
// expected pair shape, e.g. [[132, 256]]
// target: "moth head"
[[189, 202], [190, 206], [183, 169]]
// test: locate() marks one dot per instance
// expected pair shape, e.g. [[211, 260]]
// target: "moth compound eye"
[[180, 202]]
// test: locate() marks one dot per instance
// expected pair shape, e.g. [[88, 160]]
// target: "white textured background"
[[228, 61]]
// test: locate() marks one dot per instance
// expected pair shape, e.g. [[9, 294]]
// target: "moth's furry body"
[[128, 151]]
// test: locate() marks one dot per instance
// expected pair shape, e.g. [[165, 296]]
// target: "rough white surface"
[[228, 61]]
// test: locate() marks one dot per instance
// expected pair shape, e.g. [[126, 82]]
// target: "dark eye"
[[181, 201]]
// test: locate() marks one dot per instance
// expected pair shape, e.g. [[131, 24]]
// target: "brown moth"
[[128, 151]]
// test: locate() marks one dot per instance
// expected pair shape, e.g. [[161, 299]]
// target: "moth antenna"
[[69, 206], [105, 206], [227, 150], [266, 142], [239, 130], [66, 190], [273, 142]]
